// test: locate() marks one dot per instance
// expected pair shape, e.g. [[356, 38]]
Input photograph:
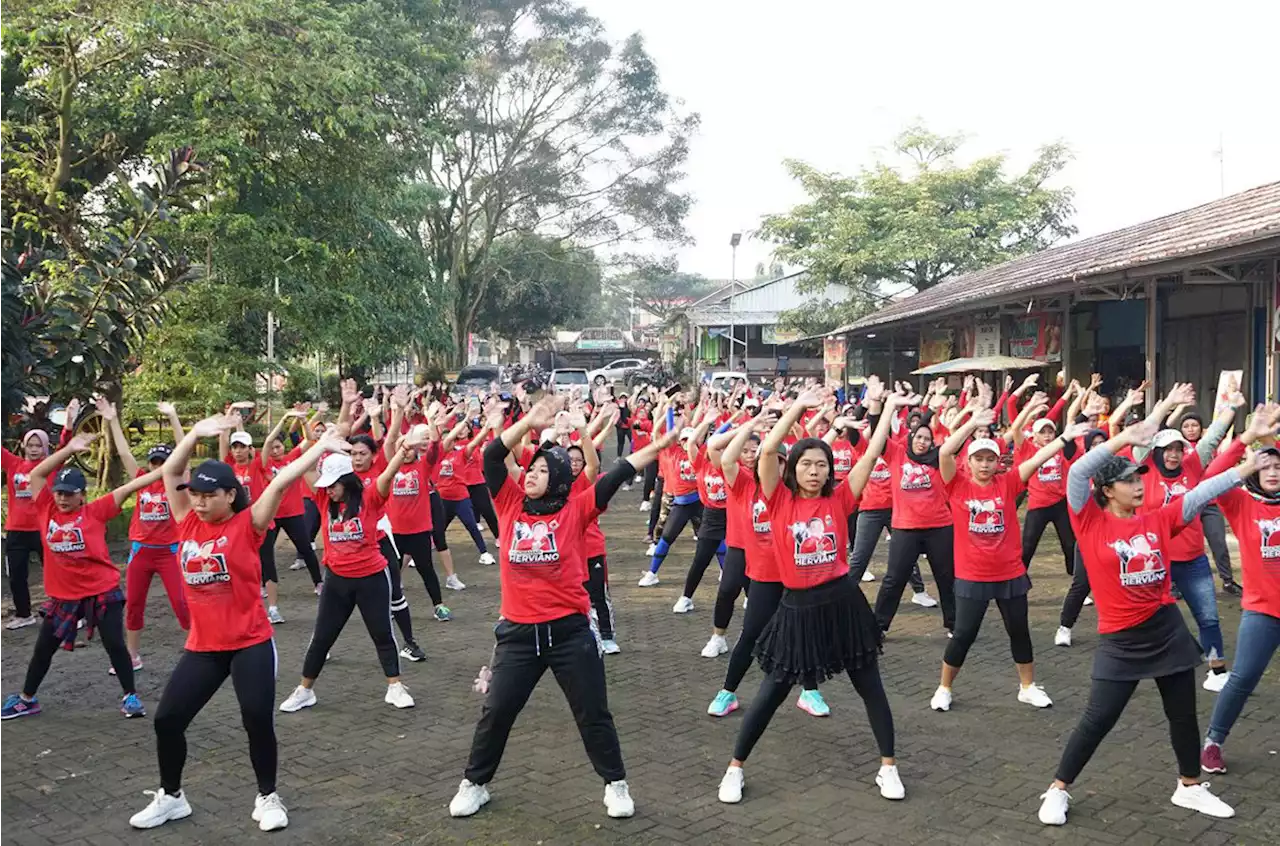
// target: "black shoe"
[[1232, 588], [413, 652]]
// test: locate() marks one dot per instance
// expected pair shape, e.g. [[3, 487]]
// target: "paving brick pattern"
[[353, 770]]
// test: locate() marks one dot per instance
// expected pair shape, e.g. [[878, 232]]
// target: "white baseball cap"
[[983, 444], [242, 438], [687, 432], [1042, 422], [1165, 437], [336, 465]]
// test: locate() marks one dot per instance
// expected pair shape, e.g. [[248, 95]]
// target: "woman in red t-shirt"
[[545, 620], [1047, 493], [451, 482], [80, 579], [1141, 633], [713, 498], [220, 533], [984, 508], [291, 516], [823, 624]]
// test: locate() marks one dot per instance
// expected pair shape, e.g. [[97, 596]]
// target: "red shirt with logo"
[[711, 487], [1256, 525], [811, 536], [1160, 490], [450, 475], [641, 432], [678, 474], [351, 546], [542, 557], [1127, 561], [221, 574], [595, 536], [291, 501], [249, 475], [23, 515], [988, 542], [878, 493], [919, 495], [473, 470], [152, 522], [409, 505], [748, 509], [1048, 485], [77, 563], [843, 456]]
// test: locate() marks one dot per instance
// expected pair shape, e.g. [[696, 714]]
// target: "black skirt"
[[1159, 646], [986, 591], [818, 633]]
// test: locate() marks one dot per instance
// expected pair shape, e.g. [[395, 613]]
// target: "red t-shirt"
[[409, 506], [221, 573], [450, 475], [843, 455], [750, 512], [249, 475], [152, 523], [1127, 561], [641, 432], [351, 546], [678, 474], [1257, 527], [1159, 491], [711, 489], [473, 470], [919, 495], [76, 561], [542, 560], [23, 515], [878, 493], [1048, 485], [595, 536], [811, 536], [988, 543], [291, 502]]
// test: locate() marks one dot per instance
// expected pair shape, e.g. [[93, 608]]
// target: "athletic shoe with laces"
[[1233, 588], [15, 706], [1054, 804], [1088, 600], [298, 564], [413, 652], [270, 813], [941, 700], [644, 505], [1033, 694], [274, 615], [302, 697], [610, 646], [649, 579], [469, 799], [487, 559], [626, 487], [683, 605], [1215, 682], [137, 665], [454, 583], [868, 576], [398, 695], [1211, 760], [1196, 797], [650, 550], [890, 783], [923, 599], [724, 704], [131, 706], [21, 622], [1062, 637], [812, 703], [715, 647], [731, 786], [617, 800], [443, 614], [162, 809]]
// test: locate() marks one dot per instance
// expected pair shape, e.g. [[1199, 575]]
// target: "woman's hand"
[[211, 427]]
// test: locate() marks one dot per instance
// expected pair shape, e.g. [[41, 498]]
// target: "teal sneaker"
[[15, 706], [443, 614], [724, 704], [811, 702], [131, 706]]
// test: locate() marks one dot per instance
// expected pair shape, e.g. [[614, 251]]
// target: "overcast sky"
[[1140, 91]]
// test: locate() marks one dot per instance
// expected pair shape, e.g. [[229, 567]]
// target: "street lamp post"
[[734, 240]]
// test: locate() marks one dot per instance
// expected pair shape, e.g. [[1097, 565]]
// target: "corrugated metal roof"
[[1240, 219]]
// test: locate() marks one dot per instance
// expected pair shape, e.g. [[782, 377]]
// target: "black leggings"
[[678, 517], [733, 581], [195, 679], [461, 508], [597, 585], [482, 506], [399, 604], [764, 601], [623, 435], [1076, 594], [110, 628], [969, 614], [710, 545], [19, 546], [655, 502], [312, 516], [866, 681], [296, 529], [1107, 700], [650, 481], [905, 546], [417, 546], [1033, 527], [867, 528], [437, 522], [341, 596]]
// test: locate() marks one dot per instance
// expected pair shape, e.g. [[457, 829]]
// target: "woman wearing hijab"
[[545, 617], [1192, 427]]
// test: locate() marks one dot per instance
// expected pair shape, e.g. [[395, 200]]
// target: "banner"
[[935, 346], [986, 340], [833, 361], [1275, 308], [774, 335], [1035, 336]]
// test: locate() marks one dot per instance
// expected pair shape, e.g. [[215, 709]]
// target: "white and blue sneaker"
[[724, 704], [811, 702]]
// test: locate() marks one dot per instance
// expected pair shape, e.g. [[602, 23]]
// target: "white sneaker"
[[454, 583], [1054, 804], [610, 646], [744, 603], [302, 697], [21, 622], [617, 800], [941, 700], [269, 812], [731, 786], [626, 487], [715, 647], [1033, 694], [924, 600], [889, 782], [274, 615], [649, 579], [1196, 797], [868, 576], [263, 591], [298, 564], [487, 559], [644, 505], [1215, 682], [683, 605], [637, 480], [469, 799], [163, 808], [1062, 637], [398, 695], [650, 550], [1088, 600]]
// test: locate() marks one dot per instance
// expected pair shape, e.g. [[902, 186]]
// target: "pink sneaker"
[[1211, 759]]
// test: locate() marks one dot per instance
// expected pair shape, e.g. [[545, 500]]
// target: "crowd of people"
[[789, 490]]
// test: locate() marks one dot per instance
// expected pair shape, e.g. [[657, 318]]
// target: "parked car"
[[565, 379], [476, 378], [615, 371], [726, 380]]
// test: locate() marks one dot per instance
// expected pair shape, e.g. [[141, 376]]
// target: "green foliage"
[[533, 284]]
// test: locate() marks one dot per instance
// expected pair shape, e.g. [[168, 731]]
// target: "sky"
[[1141, 92]]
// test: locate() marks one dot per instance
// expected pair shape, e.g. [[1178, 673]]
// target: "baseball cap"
[[1043, 422], [211, 476], [687, 432], [983, 445], [1165, 437], [159, 452], [69, 480], [336, 465], [242, 438], [1117, 469]]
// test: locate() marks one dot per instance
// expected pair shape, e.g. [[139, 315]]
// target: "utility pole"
[[734, 240]]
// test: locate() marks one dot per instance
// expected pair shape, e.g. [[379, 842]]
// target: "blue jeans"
[[1194, 580], [1257, 641]]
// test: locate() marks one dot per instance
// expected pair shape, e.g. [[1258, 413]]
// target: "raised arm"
[[174, 471], [107, 412], [1212, 437], [738, 438], [1028, 468], [264, 455], [1081, 472], [41, 472], [121, 494], [861, 472], [496, 471], [267, 504], [399, 400], [767, 464], [952, 445], [591, 458], [175, 422]]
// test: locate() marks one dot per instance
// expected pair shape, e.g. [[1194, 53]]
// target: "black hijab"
[[930, 456], [1255, 488], [559, 482]]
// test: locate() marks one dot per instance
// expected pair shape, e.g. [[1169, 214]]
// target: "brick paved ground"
[[354, 770]]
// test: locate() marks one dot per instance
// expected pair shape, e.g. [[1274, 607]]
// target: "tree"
[[918, 225], [534, 283], [551, 129]]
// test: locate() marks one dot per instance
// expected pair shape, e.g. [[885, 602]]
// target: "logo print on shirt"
[[1172, 492], [986, 516], [533, 543], [715, 487], [446, 468], [201, 565], [843, 460], [405, 483], [21, 486], [1051, 471], [1140, 563], [152, 507], [1270, 531], [915, 477], [880, 471], [686, 471], [759, 519], [814, 545], [65, 537], [346, 530]]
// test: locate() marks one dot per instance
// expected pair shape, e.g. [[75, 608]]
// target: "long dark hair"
[[793, 458], [352, 497]]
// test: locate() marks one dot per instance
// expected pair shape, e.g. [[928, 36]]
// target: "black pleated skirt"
[[818, 633]]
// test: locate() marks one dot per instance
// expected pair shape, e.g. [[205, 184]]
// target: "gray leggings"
[[867, 528]]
